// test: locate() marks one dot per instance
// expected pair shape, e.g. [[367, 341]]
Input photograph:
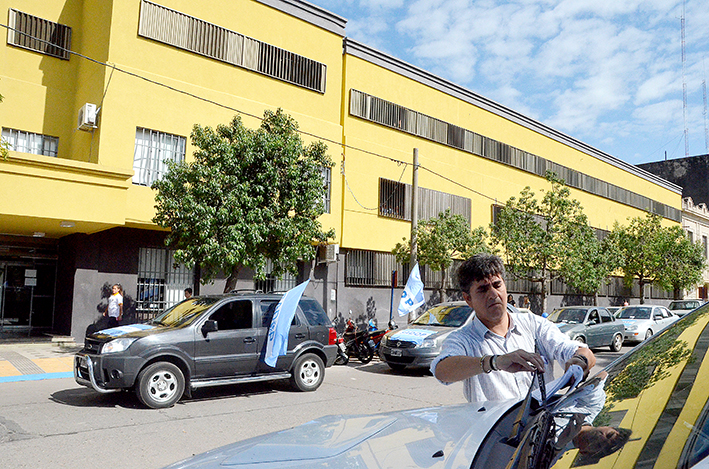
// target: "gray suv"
[[206, 341]]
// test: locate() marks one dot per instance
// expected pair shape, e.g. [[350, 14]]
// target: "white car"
[[644, 410], [643, 321]]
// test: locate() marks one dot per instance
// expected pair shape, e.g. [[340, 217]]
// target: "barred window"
[[160, 284], [152, 150], [395, 202], [392, 115], [40, 35], [370, 268], [273, 284], [394, 199], [192, 34], [28, 142], [327, 182]]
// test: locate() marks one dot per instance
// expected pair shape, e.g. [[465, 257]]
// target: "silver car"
[[592, 325], [643, 321], [420, 342]]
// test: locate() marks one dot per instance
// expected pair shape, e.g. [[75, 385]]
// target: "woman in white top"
[[114, 310]]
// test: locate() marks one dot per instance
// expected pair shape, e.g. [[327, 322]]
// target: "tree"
[[655, 254], [248, 196], [541, 239], [439, 241]]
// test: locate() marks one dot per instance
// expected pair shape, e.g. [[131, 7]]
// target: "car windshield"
[[683, 305], [184, 313], [445, 315], [635, 312], [568, 315]]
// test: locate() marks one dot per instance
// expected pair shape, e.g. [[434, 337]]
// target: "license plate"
[[395, 353]]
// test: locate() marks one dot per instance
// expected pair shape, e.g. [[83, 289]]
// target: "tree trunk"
[[545, 282], [442, 290], [231, 280]]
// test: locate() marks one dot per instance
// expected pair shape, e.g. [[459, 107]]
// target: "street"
[[57, 423]]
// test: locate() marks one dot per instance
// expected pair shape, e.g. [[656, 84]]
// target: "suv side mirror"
[[210, 325]]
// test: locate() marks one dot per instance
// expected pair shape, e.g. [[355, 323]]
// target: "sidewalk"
[[35, 360]]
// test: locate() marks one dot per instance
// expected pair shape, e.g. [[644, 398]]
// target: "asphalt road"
[[57, 423]]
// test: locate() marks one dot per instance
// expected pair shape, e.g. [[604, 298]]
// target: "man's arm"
[[578, 359], [457, 367]]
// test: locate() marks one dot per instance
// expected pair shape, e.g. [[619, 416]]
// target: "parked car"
[[643, 321], [614, 310], [682, 307], [592, 325], [206, 341], [648, 408], [417, 344]]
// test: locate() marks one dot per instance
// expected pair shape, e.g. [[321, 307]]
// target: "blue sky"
[[606, 72]]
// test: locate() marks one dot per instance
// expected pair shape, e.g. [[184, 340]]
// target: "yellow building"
[[89, 129]]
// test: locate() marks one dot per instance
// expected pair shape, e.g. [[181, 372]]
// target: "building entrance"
[[26, 297]]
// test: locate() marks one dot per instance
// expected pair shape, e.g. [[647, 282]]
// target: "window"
[[160, 285], [327, 182], [395, 202], [690, 236], [192, 34], [234, 315], [40, 35], [152, 150], [704, 245], [273, 284], [28, 142]]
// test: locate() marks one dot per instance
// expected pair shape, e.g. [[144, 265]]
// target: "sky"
[[606, 72]]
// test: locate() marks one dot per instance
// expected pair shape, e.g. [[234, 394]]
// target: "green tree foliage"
[[548, 238], [439, 240], [656, 254], [248, 196]]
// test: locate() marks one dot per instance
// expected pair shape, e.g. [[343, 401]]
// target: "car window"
[[268, 307], [184, 313], [593, 317], [234, 315], [635, 312], [605, 315], [445, 315], [314, 312], [568, 315]]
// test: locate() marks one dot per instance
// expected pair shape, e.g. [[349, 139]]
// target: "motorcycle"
[[342, 357], [375, 335], [357, 343]]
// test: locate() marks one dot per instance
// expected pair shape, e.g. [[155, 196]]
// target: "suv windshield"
[[445, 315], [568, 315], [183, 313], [635, 312]]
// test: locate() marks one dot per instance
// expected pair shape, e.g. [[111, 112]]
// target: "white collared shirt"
[[476, 340]]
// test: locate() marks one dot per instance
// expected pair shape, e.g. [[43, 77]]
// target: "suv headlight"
[[428, 343], [117, 345]]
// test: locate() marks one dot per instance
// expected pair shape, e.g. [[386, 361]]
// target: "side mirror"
[[658, 317], [210, 325]]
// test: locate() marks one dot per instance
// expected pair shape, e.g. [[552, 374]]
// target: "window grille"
[[40, 35], [273, 284], [370, 268], [392, 115], [192, 34], [160, 283], [395, 202], [28, 142], [327, 182], [152, 150]]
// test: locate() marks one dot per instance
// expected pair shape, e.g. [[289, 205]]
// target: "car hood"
[[129, 330], [417, 333], [429, 437], [566, 327]]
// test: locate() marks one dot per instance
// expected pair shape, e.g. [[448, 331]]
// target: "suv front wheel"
[[308, 372], [160, 385]]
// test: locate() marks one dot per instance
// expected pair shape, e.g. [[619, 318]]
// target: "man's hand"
[[520, 360], [583, 358]]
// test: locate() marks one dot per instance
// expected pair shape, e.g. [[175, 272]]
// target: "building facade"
[[99, 93]]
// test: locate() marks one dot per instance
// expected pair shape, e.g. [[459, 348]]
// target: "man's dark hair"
[[188, 290], [479, 267]]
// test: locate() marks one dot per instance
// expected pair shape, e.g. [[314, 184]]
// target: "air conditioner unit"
[[87, 117], [328, 253]]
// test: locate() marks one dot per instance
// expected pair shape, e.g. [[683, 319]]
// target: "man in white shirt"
[[495, 354]]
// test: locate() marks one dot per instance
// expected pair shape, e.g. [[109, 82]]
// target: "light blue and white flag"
[[412, 297], [277, 343]]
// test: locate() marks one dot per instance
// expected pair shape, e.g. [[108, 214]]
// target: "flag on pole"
[[277, 343], [412, 297]]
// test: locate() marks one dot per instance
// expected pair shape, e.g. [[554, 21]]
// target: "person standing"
[[188, 293], [114, 310], [496, 353]]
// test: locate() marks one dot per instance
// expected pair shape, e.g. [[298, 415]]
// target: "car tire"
[[617, 343], [648, 334], [307, 373], [396, 366], [160, 385]]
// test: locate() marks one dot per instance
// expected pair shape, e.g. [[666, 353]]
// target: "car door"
[[594, 328], [233, 348], [297, 333], [608, 326]]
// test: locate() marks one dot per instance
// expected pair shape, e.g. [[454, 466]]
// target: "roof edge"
[[311, 13]]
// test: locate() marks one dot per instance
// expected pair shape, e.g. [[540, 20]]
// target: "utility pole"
[[414, 216]]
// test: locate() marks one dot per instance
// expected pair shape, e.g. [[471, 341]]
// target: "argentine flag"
[[277, 343], [412, 297]]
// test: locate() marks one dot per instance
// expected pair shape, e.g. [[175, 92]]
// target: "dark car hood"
[[130, 330]]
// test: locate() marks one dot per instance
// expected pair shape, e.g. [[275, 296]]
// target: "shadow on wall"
[[101, 321]]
